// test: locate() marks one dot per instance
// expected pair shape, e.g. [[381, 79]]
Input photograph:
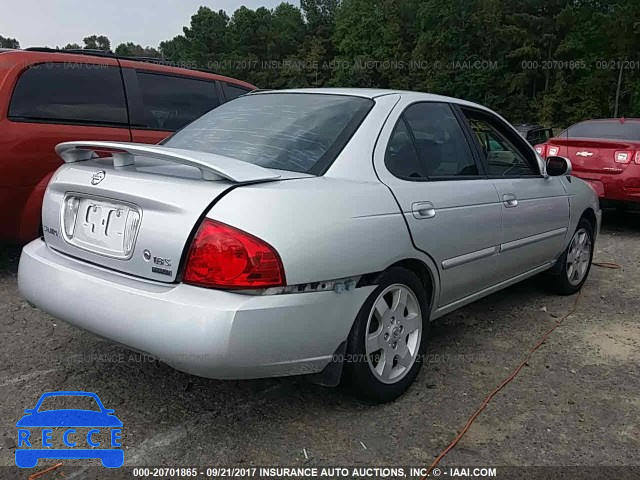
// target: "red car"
[[50, 96], [605, 153]]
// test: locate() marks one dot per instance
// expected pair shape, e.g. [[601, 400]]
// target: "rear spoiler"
[[212, 166]]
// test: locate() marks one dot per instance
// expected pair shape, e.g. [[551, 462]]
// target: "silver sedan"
[[310, 231]]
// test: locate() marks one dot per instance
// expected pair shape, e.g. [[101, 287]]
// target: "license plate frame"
[[101, 225]]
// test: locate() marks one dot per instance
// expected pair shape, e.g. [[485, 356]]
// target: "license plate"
[[100, 225]]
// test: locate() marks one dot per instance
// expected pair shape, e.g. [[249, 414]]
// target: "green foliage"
[[130, 49], [97, 42], [549, 61], [9, 42]]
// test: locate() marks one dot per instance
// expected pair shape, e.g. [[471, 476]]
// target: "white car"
[[305, 232]]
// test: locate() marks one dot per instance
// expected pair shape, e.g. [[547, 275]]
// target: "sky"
[[38, 23]]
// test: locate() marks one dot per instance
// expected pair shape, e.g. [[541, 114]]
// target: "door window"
[[171, 102], [428, 143], [538, 136], [498, 146], [232, 91], [70, 93]]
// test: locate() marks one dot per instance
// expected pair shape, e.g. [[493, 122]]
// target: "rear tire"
[[575, 263], [388, 340]]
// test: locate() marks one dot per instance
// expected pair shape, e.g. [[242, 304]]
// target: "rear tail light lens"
[[637, 159], [222, 256], [553, 151], [623, 157], [541, 150]]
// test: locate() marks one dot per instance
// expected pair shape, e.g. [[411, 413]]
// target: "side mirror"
[[558, 166]]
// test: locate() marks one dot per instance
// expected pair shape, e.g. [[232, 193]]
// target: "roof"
[[373, 93], [41, 55]]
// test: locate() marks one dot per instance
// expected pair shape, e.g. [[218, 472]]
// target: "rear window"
[[608, 130], [70, 93], [285, 131]]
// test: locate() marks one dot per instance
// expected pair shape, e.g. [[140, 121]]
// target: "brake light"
[[541, 149], [225, 257], [553, 151], [623, 157], [637, 159]]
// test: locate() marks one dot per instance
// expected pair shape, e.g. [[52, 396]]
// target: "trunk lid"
[[138, 217], [595, 155]]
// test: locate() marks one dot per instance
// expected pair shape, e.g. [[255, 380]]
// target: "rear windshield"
[[613, 130], [286, 131]]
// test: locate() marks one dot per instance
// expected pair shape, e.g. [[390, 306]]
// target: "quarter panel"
[[323, 228]]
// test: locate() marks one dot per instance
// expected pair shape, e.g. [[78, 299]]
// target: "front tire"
[[388, 340], [575, 262]]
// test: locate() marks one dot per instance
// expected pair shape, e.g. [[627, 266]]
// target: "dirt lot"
[[576, 403]]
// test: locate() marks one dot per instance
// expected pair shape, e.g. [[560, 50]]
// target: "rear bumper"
[[210, 333], [622, 187]]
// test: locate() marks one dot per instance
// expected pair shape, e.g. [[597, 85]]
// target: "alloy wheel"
[[578, 256], [394, 332]]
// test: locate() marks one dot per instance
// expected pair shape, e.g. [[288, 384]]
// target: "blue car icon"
[[68, 419]]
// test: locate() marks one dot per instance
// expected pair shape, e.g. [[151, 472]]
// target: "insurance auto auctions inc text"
[[372, 472]]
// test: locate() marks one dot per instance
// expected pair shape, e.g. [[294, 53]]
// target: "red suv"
[[605, 153], [51, 96]]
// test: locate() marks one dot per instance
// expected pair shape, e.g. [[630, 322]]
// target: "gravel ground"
[[577, 402]]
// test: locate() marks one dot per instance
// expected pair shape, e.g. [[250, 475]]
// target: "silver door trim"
[[469, 257], [523, 242], [440, 311]]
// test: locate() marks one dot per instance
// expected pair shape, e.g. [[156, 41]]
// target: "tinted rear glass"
[[70, 93], [172, 102], [609, 130], [286, 131]]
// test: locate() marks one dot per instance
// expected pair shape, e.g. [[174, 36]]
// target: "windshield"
[[286, 131], [613, 130]]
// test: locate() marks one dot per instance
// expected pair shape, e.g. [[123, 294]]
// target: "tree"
[[9, 42], [130, 49], [72, 46], [549, 61], [97, 42]]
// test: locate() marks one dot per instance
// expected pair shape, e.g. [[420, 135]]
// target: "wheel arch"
[[590, 216], [420, 268]]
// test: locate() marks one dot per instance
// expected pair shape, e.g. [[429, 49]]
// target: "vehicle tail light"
[[623, 157], [222, 256], [637, 159], [552, 151], [541, 149]]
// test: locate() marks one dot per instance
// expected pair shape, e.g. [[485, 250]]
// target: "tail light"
[[552, 151], [222, 256], [541, 149], [637, 159], [623, 157]]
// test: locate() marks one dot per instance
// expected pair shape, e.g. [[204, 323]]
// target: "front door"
[[452, 209], [535, 210]]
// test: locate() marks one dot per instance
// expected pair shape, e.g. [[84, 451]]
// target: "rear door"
[[48, 103], [161, 103], [452, 209], [535, 210]]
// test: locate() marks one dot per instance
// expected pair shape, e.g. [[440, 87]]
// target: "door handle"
[[423, 210], [510, 200]]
